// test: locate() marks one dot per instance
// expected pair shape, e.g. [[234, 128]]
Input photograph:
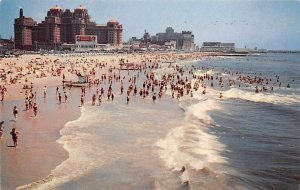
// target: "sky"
[[269, 24]]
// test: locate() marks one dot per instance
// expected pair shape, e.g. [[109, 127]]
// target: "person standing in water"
[[154, 97], [127, 99], [112, 96], [14, 134]]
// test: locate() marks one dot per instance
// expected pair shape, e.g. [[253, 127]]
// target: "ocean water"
[[245, 140]]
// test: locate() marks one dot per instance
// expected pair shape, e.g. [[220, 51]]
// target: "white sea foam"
[[202, 72], [190, 144], [273, 98], [181, 62], [85, 152]]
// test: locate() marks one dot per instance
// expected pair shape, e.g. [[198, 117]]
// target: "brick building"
[[23, 31], [61, 26]]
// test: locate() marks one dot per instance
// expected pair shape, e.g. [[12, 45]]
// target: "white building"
[[85, 43], [171, 45], [217, 47]]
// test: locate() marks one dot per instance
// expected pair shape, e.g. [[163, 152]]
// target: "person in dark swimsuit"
[[35, 109], [59, 98], [14, 133], [1, 129], [15, 112]]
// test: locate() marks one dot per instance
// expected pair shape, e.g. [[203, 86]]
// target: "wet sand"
[[38, 152]]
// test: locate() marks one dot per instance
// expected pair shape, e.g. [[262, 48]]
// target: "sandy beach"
[[38, 152], [158, 115], [149, 95]]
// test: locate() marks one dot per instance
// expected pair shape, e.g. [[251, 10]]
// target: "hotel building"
[[61, 27]]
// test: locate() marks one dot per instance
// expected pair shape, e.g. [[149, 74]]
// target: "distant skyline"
[[269, 24]]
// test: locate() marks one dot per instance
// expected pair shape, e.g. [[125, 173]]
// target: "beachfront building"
[[111, 33], [184, 40], [217, 47], [23, 31], [6, 44], [187, 41], [169, 40], [61, 27]]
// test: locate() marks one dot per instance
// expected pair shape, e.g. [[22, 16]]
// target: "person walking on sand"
[[45, 91], [59, 98], [14, 134], [1, 129], [99, 99], [93, 100], [15, 112], [66, 97], [82, 100], [35, 108]]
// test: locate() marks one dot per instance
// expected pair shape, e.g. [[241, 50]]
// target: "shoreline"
[[38, 152], [41, 139], [31, 166]]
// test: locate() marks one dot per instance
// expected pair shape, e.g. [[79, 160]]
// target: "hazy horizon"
[[270, 24]]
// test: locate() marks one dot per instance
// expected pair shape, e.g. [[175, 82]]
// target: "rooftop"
[[55, 8]]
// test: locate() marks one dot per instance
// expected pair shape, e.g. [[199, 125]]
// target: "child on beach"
[[14, 133]]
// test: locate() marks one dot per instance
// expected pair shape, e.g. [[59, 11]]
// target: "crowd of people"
[[140, 77]]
